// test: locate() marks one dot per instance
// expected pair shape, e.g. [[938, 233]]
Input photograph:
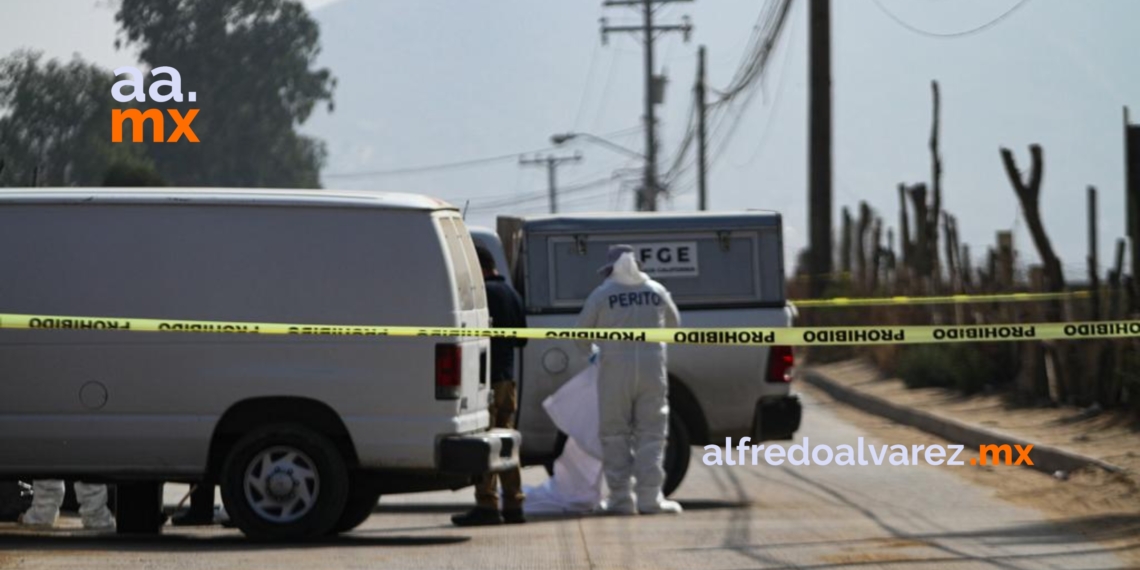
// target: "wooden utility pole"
[[551, 163], [845, 242], [1094, 265], [702, 134], [904, 234], [935, 184], [654, 86], [819, 144], [1132, 192]]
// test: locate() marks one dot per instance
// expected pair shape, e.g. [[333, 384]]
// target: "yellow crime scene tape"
[[791, 336], [938, 299]]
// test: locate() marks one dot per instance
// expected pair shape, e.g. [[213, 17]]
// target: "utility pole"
[[819, 145], [1132, 192], [654, 86], [551, 163], [702, 135]]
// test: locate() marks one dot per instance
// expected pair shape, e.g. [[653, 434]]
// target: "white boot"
[[93, 506], [101, 520], [47, 496], [619, 504], [618, 507], [658, 505]]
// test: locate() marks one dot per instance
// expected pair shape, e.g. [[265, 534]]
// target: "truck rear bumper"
[[776, 418], [482, 452]]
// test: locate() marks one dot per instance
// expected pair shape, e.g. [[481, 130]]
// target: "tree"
[[53, 122], [250, 64], [127, 173]]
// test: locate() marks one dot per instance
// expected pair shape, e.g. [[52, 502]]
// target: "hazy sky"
[[438, 81]]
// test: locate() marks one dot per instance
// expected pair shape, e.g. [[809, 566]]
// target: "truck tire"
[[363, 495], [559, 447], [677, 453], [284, 482]]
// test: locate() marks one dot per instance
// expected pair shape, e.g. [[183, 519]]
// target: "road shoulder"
[[1099, 504]]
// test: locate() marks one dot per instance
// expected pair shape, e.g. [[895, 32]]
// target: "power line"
[[540, 196], [654, 86], [774, 22], [947, 35], [586, 88], [610, 72], [781, 81], [766, 34], [458, 164], [589, 180], [432, 167], [551, 163], [763, 41]]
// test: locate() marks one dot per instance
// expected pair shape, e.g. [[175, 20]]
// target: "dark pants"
[[502, 410], [202, 500]]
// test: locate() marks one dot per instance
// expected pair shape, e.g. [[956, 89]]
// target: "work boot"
[[513, 516], [479, 516], [101, 519], [191, 517]]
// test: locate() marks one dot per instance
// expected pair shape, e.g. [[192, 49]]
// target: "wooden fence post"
[[845, 243]]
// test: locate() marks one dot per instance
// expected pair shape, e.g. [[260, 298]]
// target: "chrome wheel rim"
[[281, 484]]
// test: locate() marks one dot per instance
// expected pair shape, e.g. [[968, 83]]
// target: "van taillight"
[[780, 363], [448, 371]]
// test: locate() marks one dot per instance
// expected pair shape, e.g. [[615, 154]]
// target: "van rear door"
[[463, 364]]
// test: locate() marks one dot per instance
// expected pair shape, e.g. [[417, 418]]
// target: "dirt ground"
[[1098, 504]]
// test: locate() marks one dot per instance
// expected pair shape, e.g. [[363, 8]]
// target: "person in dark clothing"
[[201, 511], [506, 309]]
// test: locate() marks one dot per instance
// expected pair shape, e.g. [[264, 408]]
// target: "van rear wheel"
[[362, 499], [284, 482]]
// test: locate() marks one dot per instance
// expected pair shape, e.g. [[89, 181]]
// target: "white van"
[[302, 433], [723, 269]]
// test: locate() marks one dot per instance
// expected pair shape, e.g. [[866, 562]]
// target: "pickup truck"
[[723, 270]]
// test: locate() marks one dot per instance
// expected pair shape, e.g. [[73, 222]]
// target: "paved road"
[[736, 517]]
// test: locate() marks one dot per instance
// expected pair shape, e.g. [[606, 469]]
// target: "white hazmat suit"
[[633, 387]]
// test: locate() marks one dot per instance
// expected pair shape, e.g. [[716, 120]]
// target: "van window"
[[468, 276], [479, 292]]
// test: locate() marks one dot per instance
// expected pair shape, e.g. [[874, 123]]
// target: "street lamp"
[[647, 194], [563, 138]]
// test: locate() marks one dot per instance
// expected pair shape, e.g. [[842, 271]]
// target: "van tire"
[[268, 456], [363, 495], [678, 451]]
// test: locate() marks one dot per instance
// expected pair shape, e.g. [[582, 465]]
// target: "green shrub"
[[964, 367]]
